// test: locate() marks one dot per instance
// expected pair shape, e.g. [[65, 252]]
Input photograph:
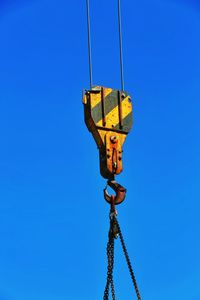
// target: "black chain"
[[110, 257], [128, 261], [114, 232]]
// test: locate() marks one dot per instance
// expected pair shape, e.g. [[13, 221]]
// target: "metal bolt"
[[113, 139], [115, 165], [129, 99], [123, 95]]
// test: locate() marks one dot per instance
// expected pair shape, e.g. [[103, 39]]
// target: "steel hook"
[[119, 190]]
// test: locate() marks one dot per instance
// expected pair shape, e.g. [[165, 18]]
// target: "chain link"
[[114, 232], [110, 257]]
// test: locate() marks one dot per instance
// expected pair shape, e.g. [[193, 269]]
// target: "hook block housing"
[[109, 117]]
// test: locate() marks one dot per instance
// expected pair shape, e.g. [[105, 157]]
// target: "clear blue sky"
[[53, 218]]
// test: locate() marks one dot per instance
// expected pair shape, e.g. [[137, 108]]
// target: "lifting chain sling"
[[108, 116], [114, 233]]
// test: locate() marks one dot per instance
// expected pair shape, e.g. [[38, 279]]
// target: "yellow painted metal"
[[108, 116], [96, 98], [112, 118]]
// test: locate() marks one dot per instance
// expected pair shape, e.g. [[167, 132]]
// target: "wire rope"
[[89, 42], [120, 45]]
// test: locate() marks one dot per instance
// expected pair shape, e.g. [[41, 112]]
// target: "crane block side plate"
[[107, 109]]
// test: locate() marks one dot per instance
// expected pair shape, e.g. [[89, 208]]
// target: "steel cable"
[[89, 42], [120, 45]]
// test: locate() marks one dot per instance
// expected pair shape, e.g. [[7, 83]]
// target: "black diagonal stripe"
[[111, 101], [127, 123]]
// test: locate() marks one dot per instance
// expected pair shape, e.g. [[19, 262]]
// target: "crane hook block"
[[108, 116]]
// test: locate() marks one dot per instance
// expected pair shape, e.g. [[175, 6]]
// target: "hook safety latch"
[[119, 190]]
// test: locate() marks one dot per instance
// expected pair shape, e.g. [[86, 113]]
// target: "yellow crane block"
[[108, 116]]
